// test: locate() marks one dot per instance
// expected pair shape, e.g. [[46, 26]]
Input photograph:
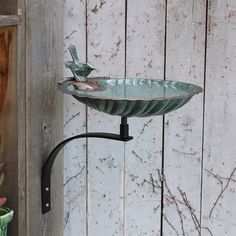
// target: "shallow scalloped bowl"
[[133, 97]]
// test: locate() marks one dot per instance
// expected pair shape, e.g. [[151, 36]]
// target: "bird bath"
[[127, 97], [131, 97]]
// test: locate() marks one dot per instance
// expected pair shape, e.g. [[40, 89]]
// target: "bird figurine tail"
[[74, 54]]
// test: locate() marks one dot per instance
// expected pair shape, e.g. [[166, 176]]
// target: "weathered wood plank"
[[22, 219], [9, 120], [106, 40], [9, 20], [143, 158], [183, 129], [44, 104], [75, 191], [219, 195], [8, 7]]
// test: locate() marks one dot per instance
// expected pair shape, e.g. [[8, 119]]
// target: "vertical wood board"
[[106, 42], [44, 105], [218, 212], [145, 59], [21, 123], [75, 184], [185, 44]]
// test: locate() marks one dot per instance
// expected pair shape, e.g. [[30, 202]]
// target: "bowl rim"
[[63, 88]]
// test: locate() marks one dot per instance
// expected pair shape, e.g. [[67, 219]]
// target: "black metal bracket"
[[47, 168]]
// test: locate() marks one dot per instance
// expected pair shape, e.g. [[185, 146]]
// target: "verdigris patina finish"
[[79, 70], [131, 97], [126, 97]]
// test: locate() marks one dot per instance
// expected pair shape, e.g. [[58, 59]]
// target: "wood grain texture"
[[143, 159], [44, 105], [219, 195], [9, 120], [185, 54], [106, 42], [75, 181], [22, 219]]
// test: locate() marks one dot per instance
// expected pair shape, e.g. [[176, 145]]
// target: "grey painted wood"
[[185, 55], [9, 20], [218, 211], [75, 179], [143, 158], [44, 108], [22, 219]]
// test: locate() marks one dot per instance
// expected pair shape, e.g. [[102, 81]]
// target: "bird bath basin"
[[131, 97]]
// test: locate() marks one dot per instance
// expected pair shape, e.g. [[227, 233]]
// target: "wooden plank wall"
[[112, 189], [31, 113]]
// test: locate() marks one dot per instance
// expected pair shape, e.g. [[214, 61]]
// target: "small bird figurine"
[[79, 70]]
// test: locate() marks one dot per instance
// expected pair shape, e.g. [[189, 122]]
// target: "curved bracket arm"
[[46, 172]]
